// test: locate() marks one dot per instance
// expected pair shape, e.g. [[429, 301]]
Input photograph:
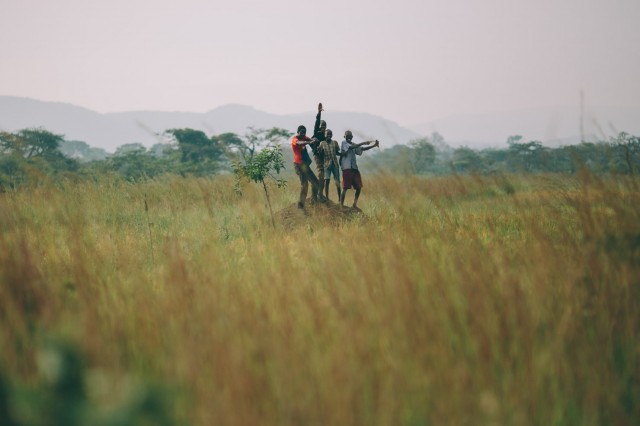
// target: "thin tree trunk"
[[146, 209], [273, 221]]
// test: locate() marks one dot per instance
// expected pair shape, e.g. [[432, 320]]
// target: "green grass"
[[460, 300]]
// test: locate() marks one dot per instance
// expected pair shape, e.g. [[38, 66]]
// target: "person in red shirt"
[[301, 165]]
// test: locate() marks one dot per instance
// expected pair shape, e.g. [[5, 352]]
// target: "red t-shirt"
[[297, 149]]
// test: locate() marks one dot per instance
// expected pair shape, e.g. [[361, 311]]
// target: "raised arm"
[[357, 145], [316, 125], [374, 144]]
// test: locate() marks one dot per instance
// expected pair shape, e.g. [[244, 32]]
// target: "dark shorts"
[[305, 174], [351, 178]]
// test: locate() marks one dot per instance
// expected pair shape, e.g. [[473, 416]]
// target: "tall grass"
[[459, 300]]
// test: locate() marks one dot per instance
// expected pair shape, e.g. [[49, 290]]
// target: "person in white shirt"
[[350, 174]]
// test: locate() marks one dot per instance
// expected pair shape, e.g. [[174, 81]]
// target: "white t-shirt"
[[349, 156]]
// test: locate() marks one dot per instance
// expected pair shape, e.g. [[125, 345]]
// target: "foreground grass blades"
[[458, 300]]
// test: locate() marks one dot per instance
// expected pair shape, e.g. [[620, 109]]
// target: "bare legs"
[[355, 200], [307, 177], [327, 183]]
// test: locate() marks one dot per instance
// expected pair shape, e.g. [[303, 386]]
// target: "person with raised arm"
[[319, 128]]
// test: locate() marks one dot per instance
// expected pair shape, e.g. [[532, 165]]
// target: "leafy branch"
[[260, 167]]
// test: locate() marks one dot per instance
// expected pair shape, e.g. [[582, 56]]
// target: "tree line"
[[31, 155], [431, 155]]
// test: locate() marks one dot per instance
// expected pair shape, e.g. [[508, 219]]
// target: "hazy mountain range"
[[108, 131], [552, 126]]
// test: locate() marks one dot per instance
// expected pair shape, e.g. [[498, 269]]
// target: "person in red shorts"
[[350, 174]]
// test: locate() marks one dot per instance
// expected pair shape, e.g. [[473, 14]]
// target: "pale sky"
[[410, 61]]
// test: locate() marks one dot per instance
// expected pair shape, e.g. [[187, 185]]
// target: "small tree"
[[81, 151], [525, 155], [200, 154], [465, 160], [423, 154], [133, 162], [31, 153], [260, 167], [630, 147], [249, 144]]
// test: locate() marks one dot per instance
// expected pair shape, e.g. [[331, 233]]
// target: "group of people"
[[329, 158]]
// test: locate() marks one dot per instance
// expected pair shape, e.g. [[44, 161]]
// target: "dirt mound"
[[313, 213]]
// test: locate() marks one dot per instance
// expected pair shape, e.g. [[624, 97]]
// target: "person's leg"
[[303, 193], [328, 171], [336, 179], [312, 179], [357, 184], [315, 185], [304, 184], [346, 184], [319, 168]]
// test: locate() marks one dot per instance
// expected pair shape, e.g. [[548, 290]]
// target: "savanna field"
[[480, 300]]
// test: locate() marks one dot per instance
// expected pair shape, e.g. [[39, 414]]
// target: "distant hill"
[[108, 131], [551, 126]]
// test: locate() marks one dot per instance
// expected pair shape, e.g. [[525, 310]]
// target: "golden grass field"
[[510, 300]]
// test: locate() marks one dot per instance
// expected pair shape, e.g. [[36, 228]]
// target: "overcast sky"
[[409, 61]]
